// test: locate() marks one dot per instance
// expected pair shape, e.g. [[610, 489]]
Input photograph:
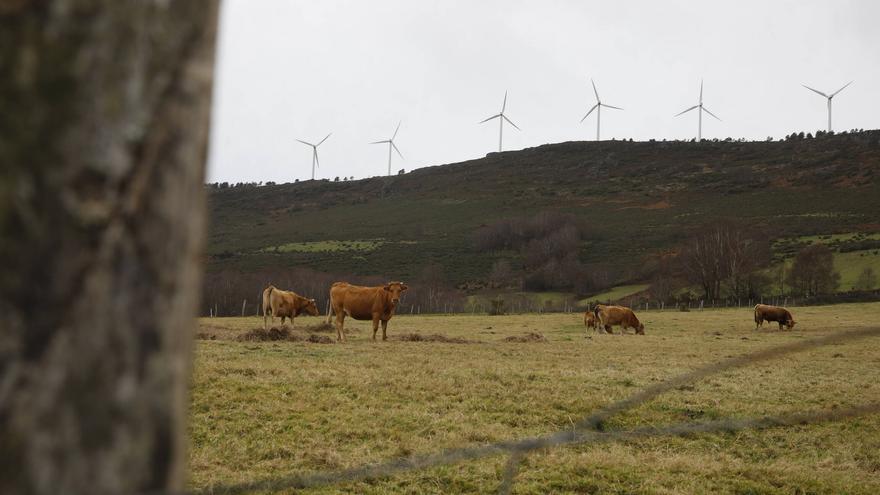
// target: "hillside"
[[637, 198]]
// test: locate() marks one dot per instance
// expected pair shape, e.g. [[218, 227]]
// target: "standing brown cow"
[[609, 316], [285, 304], [364, 303], [765, 312], [591, 321]]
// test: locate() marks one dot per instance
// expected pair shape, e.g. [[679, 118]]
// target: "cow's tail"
[[266, 299], [330, 307]]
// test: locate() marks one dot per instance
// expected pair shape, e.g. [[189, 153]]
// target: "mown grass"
[[326, 246], [277, 408], [850, 266], [616, 293]]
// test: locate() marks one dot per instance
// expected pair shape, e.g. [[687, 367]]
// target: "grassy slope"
[[639, 198], [270, 409]]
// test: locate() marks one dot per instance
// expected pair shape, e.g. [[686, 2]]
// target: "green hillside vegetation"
[[636, 200]]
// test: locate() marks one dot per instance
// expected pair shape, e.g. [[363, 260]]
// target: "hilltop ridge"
[[638, 199]]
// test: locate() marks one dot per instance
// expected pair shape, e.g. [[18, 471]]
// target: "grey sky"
[[297, 69]]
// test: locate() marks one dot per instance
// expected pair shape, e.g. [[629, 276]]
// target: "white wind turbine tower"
[[390, 146], [598, 108], [829, 97], [314, 153], [501, 118], [700, 113]]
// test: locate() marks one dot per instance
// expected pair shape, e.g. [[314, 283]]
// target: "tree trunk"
[[103, 138]]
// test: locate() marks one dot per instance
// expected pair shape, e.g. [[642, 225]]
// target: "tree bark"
[[103, 136]]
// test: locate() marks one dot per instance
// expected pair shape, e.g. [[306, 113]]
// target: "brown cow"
[[591, 321], [609, 316], [364, 303], [782, 316], [285, 304]]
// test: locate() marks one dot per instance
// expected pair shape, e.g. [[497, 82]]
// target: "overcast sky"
[[290, 70]]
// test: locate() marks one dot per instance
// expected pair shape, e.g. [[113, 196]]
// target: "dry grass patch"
[[278, 408]]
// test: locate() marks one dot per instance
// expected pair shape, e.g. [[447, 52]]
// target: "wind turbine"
[[700, 113], [501, 118], [829, 97], [598, 108], [390, 146], [314, 153]]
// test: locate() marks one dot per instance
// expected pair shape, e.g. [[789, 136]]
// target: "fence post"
[[243, 305], [701, 304]]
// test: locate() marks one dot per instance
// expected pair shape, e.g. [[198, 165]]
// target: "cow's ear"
[[403, 287], [387, 287]]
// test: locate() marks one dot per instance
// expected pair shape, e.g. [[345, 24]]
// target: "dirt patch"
[[319, 339], [206, 336], [526, 337], [263, 335], [434, 337], [322, 327], [281, 334]]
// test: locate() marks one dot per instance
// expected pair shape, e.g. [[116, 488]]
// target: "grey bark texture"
[[103, 132]]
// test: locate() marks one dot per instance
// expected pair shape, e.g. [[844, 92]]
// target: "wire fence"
[[589, 430]]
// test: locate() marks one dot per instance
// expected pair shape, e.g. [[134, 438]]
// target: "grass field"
[[266, 409], [616, 293]]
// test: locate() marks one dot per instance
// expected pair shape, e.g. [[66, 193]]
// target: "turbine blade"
[[319, 143], [815, 90], [594, 89], [686, 111], [395, 131], [490, 118], [841, 89], [397, 150], [710, 113], [504, 105], [303, 142], [510, 122], [380, 142], [317, 162], [701, 91], [611, 106], [591, 111]]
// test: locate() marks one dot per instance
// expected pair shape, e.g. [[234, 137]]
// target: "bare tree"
[[812, 272], [103, 143]]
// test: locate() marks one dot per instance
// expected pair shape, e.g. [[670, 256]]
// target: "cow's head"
[[641, 329], [790, 324], [395, 289], [310, 307]]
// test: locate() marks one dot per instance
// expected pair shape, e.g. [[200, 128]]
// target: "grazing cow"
[[609, 316], [782, 316], [591, 321], [285, 304], [364, 303]]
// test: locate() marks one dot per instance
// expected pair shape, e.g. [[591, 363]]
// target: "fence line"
[[589, 429]]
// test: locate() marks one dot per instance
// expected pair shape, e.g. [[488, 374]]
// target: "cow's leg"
[[340, 319], [375, 325], [780, 325], [608, 329], [282, 320], [384, 328]]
